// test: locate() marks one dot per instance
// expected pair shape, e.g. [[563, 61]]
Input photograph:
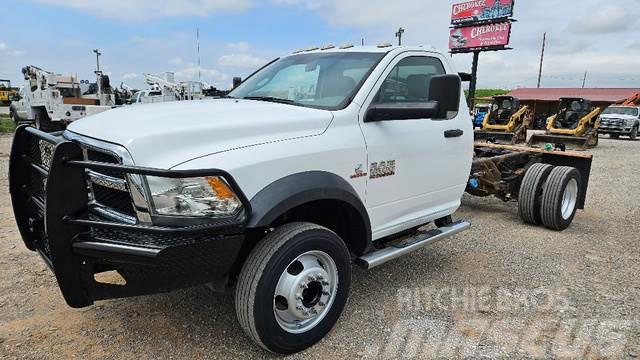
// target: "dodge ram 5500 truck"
[[319, 159]]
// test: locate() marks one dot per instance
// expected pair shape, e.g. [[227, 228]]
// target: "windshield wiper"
[[271, 99]]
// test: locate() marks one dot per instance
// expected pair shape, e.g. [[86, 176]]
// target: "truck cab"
[[620, 121], [322, 158]]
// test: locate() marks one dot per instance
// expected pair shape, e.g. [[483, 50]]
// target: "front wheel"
[[634, 133], [293, 287]]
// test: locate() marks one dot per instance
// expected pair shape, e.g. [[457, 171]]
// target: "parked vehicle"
[[320, 158], [575, 126], [479, 113], [51, 101], [506, 123], [6, 92], [620, 121]]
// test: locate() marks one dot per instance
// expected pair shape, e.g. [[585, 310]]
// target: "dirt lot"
[[501, 289]]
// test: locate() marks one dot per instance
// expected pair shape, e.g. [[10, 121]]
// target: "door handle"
[[453, 133]]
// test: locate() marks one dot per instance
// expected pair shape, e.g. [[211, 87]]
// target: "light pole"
[[399, 36], [98, 53]]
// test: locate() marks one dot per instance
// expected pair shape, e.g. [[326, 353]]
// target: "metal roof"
[[611, 95]]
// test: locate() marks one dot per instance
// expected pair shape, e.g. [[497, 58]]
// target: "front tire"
[[634, 133], [293, 287], [560, 197]]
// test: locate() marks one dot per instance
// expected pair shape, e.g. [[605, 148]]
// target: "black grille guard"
[[58, 226]]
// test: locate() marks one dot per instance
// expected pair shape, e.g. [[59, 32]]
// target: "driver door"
[[417, 173]]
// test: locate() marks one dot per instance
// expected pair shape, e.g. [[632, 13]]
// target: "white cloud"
[[129, 76], [175, 61], [607, 19], [238, 46], [3, 46], [241, 61], [15, 53], [141, 10]]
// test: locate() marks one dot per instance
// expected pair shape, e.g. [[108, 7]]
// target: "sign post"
[[477, 26]]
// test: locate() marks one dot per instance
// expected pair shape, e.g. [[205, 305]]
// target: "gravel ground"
[[502, 289]]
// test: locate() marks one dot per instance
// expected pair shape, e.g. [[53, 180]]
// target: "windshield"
[[319, 80], [621, 111]]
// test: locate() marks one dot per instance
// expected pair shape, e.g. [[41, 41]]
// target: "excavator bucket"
[[563, 142], [495, 137]]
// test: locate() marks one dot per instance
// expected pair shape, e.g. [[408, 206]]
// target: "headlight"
[[207, 196], [630, 122]]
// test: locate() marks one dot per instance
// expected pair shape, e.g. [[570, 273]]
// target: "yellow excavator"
[[574, 127], [6, 92], [506, 122]]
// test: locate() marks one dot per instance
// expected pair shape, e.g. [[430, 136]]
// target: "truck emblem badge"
[[382, 169], [359, 172]]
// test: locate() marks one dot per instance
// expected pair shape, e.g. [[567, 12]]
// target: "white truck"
[[165, 89], [319, 159], [52, 101], [620, 120]]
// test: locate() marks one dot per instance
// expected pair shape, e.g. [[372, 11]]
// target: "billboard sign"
[[481, 11], [478, 37]]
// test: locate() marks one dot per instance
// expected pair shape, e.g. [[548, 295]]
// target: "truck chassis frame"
[[499, 169]]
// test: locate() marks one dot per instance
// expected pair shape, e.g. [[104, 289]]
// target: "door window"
[[409, 80]]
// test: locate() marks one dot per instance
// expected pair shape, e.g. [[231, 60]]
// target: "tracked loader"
[[574, 127], [505, 123]]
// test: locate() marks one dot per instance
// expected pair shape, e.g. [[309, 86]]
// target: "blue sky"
[[237, 36]]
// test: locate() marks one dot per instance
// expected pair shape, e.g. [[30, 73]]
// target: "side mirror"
[[443, 103], [445, 90], [237, 81]]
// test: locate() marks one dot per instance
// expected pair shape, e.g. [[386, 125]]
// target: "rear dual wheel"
[[549, 196]]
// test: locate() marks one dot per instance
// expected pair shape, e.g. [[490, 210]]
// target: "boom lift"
[[632, 101], [574, 126], [506, 122]]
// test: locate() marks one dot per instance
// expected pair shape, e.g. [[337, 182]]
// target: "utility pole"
[[584, 80], [544, 42], [198, 43], [399, 36], [474, 79], [98, 53]]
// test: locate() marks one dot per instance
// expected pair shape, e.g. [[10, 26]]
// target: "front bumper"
[[51, 206], [614, 127]]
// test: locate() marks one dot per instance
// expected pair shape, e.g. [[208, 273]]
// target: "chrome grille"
[[109, 188]]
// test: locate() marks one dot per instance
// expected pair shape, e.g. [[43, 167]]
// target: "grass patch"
[[6, 125], [489, 92]]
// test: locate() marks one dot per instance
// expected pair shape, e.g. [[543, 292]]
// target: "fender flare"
[[301, 188]]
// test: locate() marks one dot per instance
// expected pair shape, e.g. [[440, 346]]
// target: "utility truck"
[[164, 88], [321, 159], [52, 101]]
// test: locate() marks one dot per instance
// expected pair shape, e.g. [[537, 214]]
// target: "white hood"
[[166, 134]]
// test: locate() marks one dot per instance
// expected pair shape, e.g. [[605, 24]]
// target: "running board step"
[[411, 244]]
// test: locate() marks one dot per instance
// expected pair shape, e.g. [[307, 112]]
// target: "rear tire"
[[560, 197], [43, 122], [531, 193], [293, 287]]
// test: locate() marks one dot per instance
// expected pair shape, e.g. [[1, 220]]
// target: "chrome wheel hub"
[[305, 291], [569, 199]]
